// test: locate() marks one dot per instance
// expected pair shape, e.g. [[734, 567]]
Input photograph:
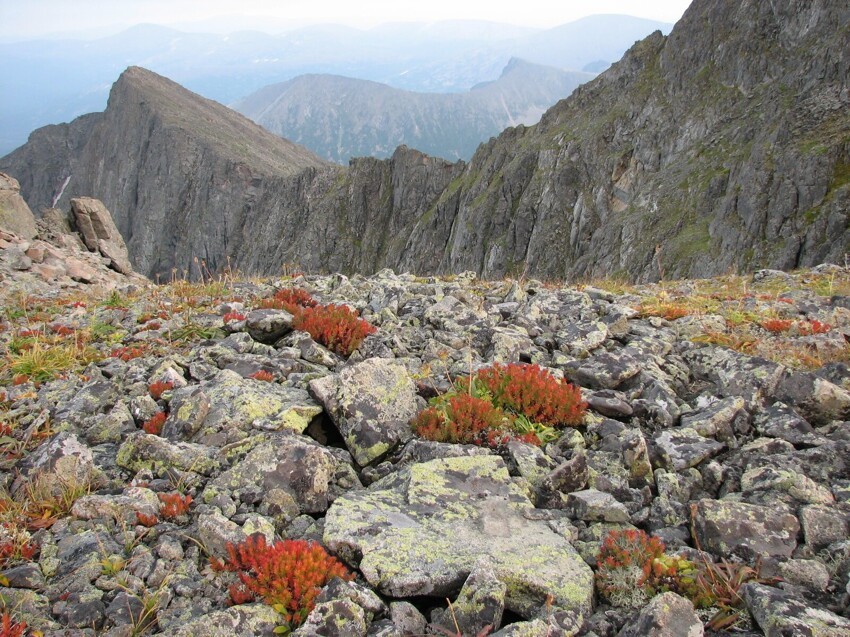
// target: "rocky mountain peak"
[[722, 147]]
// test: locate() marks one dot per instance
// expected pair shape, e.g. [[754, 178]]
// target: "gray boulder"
[[99, 232], [725, 528], [780, 614], [666, 615], [422, 530], [15, 214], [371, 403]]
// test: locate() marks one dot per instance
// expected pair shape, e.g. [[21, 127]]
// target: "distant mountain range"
[[52, 81], [339, 117]]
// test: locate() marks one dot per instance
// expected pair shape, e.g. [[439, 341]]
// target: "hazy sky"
[[27, 18]]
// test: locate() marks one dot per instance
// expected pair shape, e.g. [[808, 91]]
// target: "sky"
[[33, 18]]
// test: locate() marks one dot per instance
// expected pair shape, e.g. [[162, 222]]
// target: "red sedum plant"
[[502, 403], [335, 326], [153, 425], [531, 390], [288, 575]]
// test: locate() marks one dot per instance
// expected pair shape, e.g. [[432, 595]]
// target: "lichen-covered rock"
[[479, 605], [795, 484], [780, 421], [245, 620], [421, 531], [780, 614], [407, 619], [268, 326], [133, 500], [816, 398], [727, 528], [666, 615], [15, 214], [607, 370], [684, 448], [371, 403], [239, 404], [823, 525], [715, 420], [286, 466], [335, 618], [734, 374], [146, 451], [61, 465], [591, 505]]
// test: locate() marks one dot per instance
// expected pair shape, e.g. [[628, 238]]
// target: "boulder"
[[747, 530], [422, 530], [371, 403], [99, 232], [15, 214], [287, 468], [779, 614], [666, 615]]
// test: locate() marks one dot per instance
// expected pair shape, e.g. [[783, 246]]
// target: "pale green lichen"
[[426, 538]]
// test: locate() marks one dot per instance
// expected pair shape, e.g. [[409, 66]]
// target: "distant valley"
[[54, 81], [339, 118]]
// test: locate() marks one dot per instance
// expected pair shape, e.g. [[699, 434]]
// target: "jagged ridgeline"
[[724, 146]]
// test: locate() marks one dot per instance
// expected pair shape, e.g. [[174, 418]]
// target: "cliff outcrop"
[[724, 146]]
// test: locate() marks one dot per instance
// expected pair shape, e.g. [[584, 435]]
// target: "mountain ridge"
[[340, 117], [658, 168], [49, 81]]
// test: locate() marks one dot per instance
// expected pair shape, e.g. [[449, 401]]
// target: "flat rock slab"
[[779, 614], [371, 403], [292, 468], [684, 448], [240, 403], [421, 532], [725, 528]]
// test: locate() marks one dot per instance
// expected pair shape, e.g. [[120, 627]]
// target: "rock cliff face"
[[724, 146]]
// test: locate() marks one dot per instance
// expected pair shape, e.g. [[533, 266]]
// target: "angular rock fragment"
[[684, 448], [780, 614], [290, 467], [371, 403], [422, 530], [666, 615], [727, 528]]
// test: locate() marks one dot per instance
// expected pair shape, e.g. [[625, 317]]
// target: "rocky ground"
[[146, 427]]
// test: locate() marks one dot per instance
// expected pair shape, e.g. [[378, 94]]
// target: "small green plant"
[[287, 575], [111, 565], [114, 301]]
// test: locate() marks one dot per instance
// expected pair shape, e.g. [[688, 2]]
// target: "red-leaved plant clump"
[[335, 326], [288, 574], [9, 627], [777, 325], [153, 425], [534, 392], [233, 317], [465, 420], [502, 403], [263, 375], [173, 505], [157, 388]]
